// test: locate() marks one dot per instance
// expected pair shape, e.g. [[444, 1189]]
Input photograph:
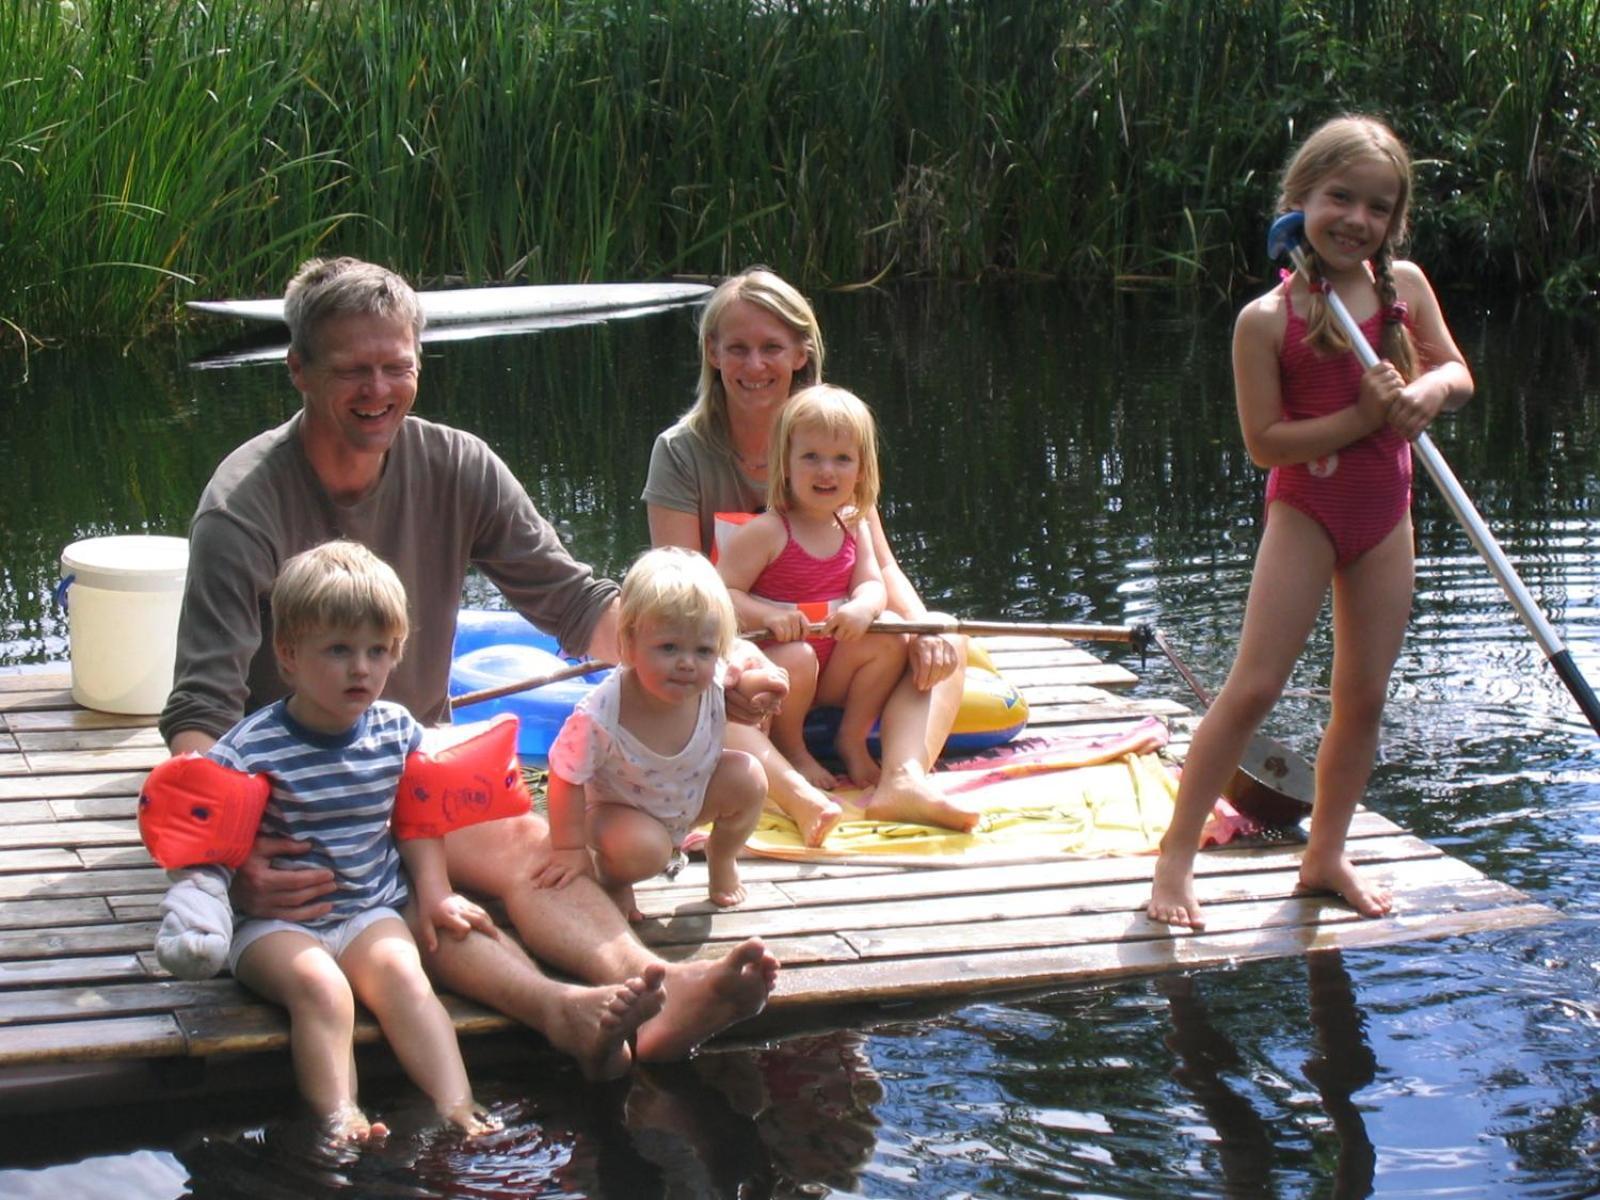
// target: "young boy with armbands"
[[323, 766]]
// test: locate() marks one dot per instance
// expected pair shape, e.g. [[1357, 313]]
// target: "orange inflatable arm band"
[[194, 812], [463, 774]]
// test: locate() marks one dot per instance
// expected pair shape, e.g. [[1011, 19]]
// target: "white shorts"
[[335, 939]]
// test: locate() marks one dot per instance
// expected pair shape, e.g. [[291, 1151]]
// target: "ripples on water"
[[1085, 467]]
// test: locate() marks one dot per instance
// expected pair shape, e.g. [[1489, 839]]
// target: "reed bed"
[[155, 152]]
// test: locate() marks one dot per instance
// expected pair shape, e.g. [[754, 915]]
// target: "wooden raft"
[[78, 897]]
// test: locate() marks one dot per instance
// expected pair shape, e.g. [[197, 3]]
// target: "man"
[[430, 501]]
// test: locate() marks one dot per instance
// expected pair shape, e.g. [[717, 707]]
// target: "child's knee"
[[629, 846], [322, 995], [739, 779]]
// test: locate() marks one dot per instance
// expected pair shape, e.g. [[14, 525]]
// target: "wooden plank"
[[73, 718], [20, 682], [129, 936], [95, 808], [41, 914], [16, 701], [1095, 674], [1053, 966], [56, 971], [151, 1036], [14, 862], [38, 1005], [83, 833], [24, 812], [43, 786], [39, 742], [83, 883], [89, 761]]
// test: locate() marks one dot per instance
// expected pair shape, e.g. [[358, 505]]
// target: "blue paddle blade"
[[1287, 232]]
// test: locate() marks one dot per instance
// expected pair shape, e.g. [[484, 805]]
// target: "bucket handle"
[[61, 592]]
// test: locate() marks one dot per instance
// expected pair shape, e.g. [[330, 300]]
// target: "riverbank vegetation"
[[151, 153]]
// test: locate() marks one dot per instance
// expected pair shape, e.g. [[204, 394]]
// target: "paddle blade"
[[1287, 232]]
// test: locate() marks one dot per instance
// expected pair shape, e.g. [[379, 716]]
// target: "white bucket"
[[123, 595]]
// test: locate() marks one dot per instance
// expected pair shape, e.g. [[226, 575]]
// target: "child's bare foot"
[[813, 772], [595, 1024], [622, 896], [862, 768], [1172, 898], [814, 814], [347, 1125], [1367, 898], [906, 795], [706, 997], [472, 1118], [725, 888]]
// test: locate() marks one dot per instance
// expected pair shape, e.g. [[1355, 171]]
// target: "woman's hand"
[[754, 687]]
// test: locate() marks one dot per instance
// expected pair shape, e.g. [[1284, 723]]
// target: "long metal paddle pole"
[[1287, 236]]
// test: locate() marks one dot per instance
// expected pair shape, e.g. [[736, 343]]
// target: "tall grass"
[[155, 152]]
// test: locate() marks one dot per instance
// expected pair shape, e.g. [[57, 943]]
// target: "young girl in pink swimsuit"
[[1338, 442], [809, 558]]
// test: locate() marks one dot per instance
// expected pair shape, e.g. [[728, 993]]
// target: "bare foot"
[[1172, 898], [622, 896], [472, 1118], [862, 768], [814, 814], [906, 795], [347, 1125], [594, 1024], [725, 888], [1368, 899], [706, 997], [813, 772]]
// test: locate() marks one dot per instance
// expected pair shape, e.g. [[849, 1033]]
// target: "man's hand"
[[754, 688], [931, 657], [263, 890]]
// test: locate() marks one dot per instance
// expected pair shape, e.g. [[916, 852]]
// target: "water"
[[1045, 459]]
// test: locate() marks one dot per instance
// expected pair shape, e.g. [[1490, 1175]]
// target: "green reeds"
[[155, 152]]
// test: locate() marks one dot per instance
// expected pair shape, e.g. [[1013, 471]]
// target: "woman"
[[759, 343]]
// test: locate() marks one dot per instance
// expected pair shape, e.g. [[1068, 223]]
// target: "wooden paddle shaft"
[[1136, 635], [527, 685]]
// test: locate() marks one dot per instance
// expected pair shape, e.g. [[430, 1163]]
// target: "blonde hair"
[[674, 584], [324, 288], [839, 414], [754, 285], [1332, 147], [337, 585]]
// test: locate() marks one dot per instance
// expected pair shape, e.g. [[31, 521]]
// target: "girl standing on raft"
[[759, 343], [1338, 506], [812, 547]]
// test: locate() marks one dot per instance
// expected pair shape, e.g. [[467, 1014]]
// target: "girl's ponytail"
[[1394, 339]]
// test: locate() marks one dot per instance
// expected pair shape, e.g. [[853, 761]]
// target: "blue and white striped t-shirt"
[[335, 791]]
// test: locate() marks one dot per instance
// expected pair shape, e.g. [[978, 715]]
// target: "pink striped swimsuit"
[[1359, 493], [798, 577]]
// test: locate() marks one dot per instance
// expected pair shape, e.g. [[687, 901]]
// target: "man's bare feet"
[[724, 886], [906, 795], [862, 768], [472, 1118], [704, 998], [347, 1125], [1340, 877], [594, 1024], [1172, 898]]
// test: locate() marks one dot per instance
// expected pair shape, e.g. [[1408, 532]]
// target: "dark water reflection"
[[1044, 459]]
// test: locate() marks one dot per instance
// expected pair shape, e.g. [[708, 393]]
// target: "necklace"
[[749, 466]]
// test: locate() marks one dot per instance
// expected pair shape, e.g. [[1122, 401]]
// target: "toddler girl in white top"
[[640, 761]]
